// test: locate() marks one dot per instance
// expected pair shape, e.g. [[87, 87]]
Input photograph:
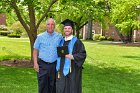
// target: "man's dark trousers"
[[46, 77]]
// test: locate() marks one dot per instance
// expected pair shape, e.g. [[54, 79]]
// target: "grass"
[[17, 80], [108, 69], [111, 69], [14, 48]]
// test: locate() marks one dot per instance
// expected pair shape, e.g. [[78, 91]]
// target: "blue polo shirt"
[[47, 45]]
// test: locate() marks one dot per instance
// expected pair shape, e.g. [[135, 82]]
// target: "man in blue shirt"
[[45, 55]]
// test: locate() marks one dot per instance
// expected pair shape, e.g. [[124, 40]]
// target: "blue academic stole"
[[67, 61]]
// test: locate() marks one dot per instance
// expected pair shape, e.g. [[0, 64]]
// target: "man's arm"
[[35, 54]]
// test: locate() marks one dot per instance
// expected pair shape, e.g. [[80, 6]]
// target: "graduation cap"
[[68, 22]]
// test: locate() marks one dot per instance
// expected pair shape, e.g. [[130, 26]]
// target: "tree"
[[80, 11], [124, 13], [30, 13]]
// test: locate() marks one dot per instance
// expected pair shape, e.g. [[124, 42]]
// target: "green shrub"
[[102, 38], [110, 39], [17, 28], [14, 35], [3, 27], [96, 36], [80, 36], [42, 27], [105, 38], [4, 33]]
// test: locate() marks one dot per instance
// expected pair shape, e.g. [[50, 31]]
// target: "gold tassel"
[[58, 74], [70, 67]]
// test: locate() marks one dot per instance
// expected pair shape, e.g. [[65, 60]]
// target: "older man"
[[45, 54]]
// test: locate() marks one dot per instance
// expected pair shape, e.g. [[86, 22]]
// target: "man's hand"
[[69, 56], [36, 67], [35, 53]]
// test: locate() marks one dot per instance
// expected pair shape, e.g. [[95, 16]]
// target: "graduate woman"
[[69, 67]]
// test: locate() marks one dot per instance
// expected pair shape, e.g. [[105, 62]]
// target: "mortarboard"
[[68, 22]]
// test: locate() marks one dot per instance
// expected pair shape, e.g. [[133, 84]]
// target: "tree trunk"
[[32, 39], [73, 31], [77, 33], [78, 27], [89, 29], [33, 30], [120, 35], [129, 37]]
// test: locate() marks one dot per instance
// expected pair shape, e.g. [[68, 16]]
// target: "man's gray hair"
[[50, 19]]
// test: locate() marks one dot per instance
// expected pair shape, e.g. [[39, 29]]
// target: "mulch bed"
[[17, 63], [127, 44]]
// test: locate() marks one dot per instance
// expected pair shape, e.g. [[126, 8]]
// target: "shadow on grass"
[[17, 80], [132, 57], [103, 79]]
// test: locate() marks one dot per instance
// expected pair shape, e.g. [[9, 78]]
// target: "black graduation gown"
[[72, 83]]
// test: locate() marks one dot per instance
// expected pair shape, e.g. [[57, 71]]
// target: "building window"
[[113, 33]]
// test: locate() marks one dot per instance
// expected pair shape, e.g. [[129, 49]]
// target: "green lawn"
[[11, 48], [17, 80], [111, 69], [108, 68]]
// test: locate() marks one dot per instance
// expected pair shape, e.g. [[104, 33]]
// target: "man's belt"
[[46, 62]]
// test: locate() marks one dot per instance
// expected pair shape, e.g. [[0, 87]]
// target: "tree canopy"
[[124, 14]]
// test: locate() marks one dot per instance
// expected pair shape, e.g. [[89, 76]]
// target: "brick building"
[[111, 32], [2, 19]]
